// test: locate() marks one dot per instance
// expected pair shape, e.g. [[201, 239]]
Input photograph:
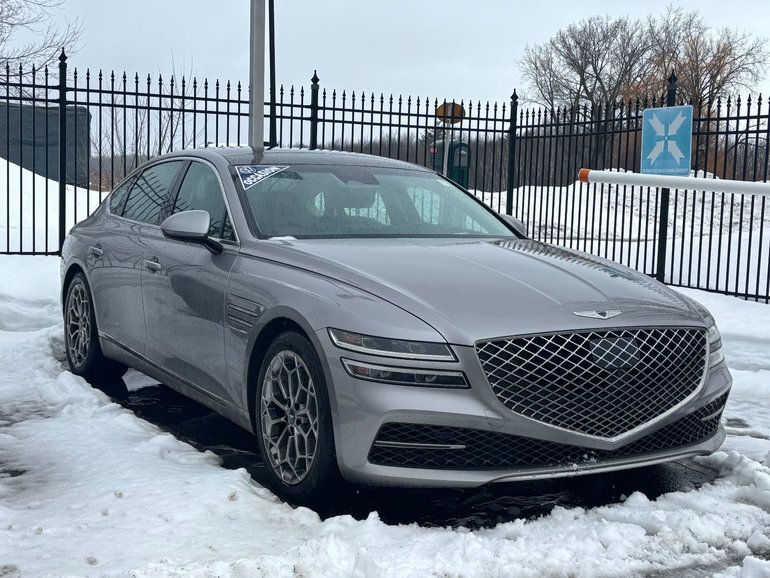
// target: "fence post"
[[314, 111], [62, 148], [665, 194], [511, 153]]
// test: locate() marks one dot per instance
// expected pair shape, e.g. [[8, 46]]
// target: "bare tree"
[[708, 64], [600, 60], [590, 62], [33, 18]]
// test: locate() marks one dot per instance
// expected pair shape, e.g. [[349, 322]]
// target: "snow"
[[89, 489], [31, 221]]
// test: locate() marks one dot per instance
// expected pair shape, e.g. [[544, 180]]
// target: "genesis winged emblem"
[[608, 314]]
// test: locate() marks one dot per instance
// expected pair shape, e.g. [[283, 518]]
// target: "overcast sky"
[[446, 49]]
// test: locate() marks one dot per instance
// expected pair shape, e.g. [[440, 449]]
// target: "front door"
[[183, 289]]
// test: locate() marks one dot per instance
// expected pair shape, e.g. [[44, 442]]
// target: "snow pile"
[[29, 214], [89, 489]]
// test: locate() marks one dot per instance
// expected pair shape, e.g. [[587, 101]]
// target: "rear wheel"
[[294, 426], [81, 339]]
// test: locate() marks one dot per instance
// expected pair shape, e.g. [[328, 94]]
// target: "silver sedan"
[[370, 320]]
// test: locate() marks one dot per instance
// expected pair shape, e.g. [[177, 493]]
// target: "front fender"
[[280, 294]]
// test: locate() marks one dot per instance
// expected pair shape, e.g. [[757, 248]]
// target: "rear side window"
[[150, 192], [200, 190], [118, 197]]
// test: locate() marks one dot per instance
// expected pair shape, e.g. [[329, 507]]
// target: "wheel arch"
[[73, 269], [273, 328]]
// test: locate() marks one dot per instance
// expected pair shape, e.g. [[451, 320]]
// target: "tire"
[[81, 337], [293, 420]]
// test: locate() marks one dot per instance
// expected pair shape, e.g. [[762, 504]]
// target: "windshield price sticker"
[[251, 174]]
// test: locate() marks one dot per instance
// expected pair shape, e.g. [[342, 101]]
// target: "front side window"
[[200, 190], [306, 201], [150, 192]]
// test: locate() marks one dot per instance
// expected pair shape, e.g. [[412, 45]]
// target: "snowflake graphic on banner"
[[666, 140]]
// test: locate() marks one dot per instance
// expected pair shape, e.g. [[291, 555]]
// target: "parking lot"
[[147, 483]]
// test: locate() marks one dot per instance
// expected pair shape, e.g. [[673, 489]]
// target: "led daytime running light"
[[417, 350], [405, 375], [716, 353]]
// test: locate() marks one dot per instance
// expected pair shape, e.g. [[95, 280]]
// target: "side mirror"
[[191, 226], [517, 225]]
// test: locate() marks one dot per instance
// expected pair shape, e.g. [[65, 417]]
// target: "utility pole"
[[257, 75], [271, 28]]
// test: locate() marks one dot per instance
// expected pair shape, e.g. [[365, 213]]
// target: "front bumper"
[[363, 410]]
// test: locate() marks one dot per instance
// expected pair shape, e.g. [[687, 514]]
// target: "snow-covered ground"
[[29, 212], [89, 489]]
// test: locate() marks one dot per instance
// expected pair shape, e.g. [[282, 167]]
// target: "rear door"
[[118, 256], [184, 289]]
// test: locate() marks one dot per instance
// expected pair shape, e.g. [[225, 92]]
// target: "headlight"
[[716, 353], [405, 375], [417, 350]]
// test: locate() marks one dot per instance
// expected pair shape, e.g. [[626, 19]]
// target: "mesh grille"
[[494, 450], [597, 383]]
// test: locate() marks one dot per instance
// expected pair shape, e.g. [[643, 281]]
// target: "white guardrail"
[[663, 181]]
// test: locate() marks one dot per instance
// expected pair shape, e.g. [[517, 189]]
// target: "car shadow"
[[470, 508]]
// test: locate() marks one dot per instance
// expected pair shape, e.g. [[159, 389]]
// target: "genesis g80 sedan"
[[369, 319]]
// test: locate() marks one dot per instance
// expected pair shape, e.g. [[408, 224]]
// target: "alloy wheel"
[[78, 324], [289, 417]]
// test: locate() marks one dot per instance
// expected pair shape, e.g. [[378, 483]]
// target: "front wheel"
[[294, 426]]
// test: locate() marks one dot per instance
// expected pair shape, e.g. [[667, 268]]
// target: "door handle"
[[96, 251], [152, 265]]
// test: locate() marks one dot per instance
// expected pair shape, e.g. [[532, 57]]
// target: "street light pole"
[[271, 28], [257, 75]]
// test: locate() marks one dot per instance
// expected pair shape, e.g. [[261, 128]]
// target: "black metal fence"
[[521, 161]]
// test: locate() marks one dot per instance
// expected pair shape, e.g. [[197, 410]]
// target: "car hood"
[[477, 289]]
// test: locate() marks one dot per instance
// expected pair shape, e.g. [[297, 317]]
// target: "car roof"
[[244, 155]]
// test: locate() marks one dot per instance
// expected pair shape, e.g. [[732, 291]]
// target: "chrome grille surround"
[[606, 384]]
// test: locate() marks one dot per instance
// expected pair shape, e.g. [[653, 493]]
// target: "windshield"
[[305, 201]]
